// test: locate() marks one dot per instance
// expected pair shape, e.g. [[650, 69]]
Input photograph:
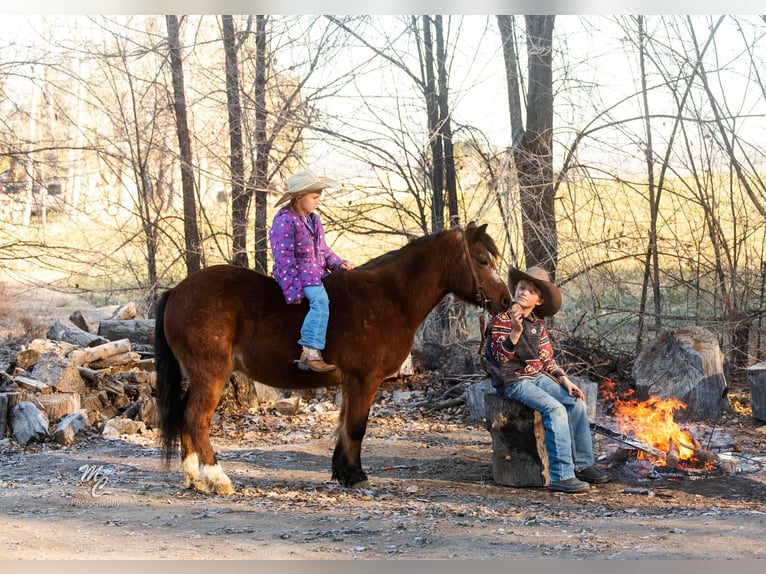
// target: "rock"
[[28, 423], [69, 426], [686, 364], [288, 406], [118, 426]]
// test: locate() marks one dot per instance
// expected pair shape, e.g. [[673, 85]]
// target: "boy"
[[519, 359]]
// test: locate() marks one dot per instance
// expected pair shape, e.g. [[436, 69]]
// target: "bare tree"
[[532, 146], [240, 197]]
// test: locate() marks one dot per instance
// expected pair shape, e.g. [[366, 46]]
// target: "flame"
[[650, 421]]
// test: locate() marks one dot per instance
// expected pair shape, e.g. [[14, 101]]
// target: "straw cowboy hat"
[[550, 293], [303, 182]]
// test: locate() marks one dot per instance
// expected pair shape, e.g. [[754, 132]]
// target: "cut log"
[[27, 358], [84, 322], [33, 385], [519, 456], [241, 393], [28, 423], [7, 384], [69, 426], [122, 312], [59, 373], [83, 356], [148, 412], [671, 460], [139, 331], [474, 398], [135, 377], [65, 330], [61, 348], [119, 360], [3, 415], [686, 364], [59, 405]]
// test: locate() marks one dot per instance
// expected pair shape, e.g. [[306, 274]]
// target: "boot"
[[311, 360]]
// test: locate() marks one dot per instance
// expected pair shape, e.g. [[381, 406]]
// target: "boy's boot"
[[311, 360]]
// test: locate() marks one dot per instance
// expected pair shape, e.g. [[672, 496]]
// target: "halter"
[[481, 299]]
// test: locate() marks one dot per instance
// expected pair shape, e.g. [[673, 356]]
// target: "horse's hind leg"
[[200, 467], [347, 456]]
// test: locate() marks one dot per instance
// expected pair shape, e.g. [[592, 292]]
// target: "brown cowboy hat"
[[303, 182], [539, 276]]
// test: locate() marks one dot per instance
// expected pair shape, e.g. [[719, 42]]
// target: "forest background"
[[623, 153]]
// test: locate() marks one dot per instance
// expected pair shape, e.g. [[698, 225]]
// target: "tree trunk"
[[445, 126], [533, 156], [434, 140], [262, 147], [191, 233], [240, 198]]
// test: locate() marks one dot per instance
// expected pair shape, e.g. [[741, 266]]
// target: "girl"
[[302, 259]]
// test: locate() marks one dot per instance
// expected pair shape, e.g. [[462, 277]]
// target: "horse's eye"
[[483, 261]]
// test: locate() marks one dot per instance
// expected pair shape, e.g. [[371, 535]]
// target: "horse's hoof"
[[361, 484], [224, 489]]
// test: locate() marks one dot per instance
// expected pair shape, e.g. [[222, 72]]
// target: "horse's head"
[[489, 290]]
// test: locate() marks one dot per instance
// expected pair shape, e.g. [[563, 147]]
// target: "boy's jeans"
[[567, 429], [314, 326]]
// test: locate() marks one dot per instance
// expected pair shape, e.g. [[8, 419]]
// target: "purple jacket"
[[301, 256]]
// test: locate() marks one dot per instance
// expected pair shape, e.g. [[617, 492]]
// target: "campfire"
[[650, 428]]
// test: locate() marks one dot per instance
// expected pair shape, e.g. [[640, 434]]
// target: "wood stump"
[[519, 456], [686, 364], [756, 378]]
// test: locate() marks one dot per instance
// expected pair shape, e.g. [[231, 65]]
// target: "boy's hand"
[[572, 389]]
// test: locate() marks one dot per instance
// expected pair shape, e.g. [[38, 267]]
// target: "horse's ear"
[[471, 225], [482, 230]]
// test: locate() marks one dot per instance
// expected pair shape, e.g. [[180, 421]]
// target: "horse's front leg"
[[354, 412]]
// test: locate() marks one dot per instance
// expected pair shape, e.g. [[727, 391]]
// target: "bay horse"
[[225, 318]]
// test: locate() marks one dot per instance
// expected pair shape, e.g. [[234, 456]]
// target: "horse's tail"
[[169, 394]]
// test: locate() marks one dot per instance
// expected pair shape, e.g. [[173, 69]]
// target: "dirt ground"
[[431, 496]]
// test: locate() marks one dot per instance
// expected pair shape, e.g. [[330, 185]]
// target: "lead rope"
[[482, 323]]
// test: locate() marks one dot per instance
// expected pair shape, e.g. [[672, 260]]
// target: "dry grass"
[[17, 327]]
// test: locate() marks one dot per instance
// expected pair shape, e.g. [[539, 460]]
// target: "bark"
[[191, 232], [534, 157], [262, 146], [445, 126], [434, 140], [240, 199]]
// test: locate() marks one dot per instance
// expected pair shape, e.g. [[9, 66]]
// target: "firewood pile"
[[88, 371]]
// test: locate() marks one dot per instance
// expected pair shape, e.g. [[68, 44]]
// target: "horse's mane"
[[380, 260]]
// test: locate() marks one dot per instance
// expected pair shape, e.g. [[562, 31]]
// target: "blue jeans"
[[314, 326], [567, 429]]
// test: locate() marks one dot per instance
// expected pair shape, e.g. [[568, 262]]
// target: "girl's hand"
[[347, 265]]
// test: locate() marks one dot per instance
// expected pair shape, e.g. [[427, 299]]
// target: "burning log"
[[672, 457], [701, 454]]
